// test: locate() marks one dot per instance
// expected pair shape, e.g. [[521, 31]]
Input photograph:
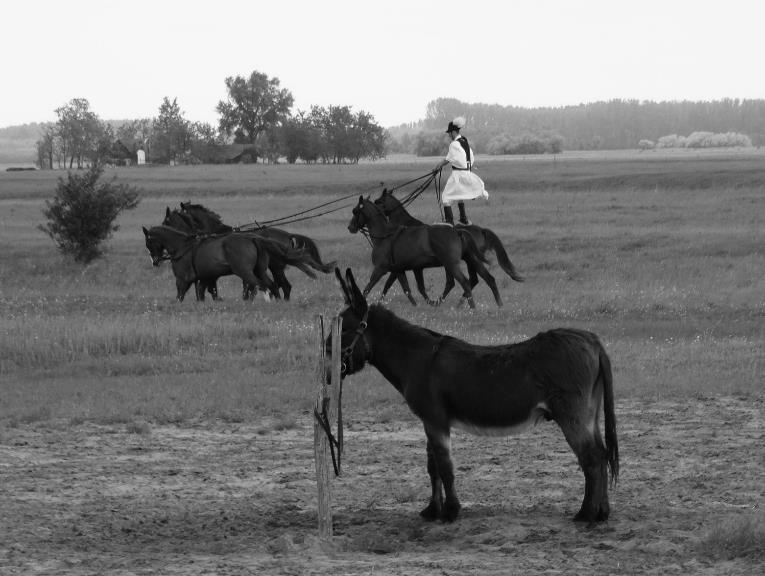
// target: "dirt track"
[[219, 498]]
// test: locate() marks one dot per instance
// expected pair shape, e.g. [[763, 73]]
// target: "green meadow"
[[661, 254]]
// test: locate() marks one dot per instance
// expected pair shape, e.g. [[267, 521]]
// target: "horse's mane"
[[210, 213]]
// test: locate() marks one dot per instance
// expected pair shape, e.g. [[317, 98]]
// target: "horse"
[[562, 375], [183, 221], [180, 221], [485, 239], [207, 259], [399, 248], [210, 222]]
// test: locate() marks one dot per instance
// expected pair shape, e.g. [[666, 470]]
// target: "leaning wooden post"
[[321, 442]]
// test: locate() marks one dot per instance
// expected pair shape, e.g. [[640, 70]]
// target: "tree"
[[171, 132], [78, 129], [82, 213], [45, 148], [254, 106]]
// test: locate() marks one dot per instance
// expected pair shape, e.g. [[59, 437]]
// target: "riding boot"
[[463, 215], [448, 215]]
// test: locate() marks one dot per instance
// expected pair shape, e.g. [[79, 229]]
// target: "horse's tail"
[[312, 251], [296, 257], [469, 247], [494, 243], [612, 444]]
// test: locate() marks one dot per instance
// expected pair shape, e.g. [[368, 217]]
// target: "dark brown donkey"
[[562, 375]]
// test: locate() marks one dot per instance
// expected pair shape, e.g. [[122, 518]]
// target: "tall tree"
[[79, 129], [171, 134], [255, 105]]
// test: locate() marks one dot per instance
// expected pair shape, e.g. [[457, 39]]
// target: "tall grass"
[[671, 278]]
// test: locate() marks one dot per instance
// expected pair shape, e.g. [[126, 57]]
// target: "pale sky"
[[388, 58]]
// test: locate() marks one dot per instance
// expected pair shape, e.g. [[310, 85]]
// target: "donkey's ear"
[[145, 231], [346, 292], [357, 298], [167, 211]]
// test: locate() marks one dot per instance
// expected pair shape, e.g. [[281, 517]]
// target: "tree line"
[[612, 125], [256, 114]]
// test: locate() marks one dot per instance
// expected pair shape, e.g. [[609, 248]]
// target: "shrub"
[[82, 213]]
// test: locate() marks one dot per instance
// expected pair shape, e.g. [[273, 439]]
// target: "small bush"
[[82, 213]]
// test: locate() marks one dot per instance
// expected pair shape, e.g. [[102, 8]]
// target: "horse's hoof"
[[430, 512]]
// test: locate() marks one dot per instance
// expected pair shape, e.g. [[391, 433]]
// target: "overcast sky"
[[388, 58]]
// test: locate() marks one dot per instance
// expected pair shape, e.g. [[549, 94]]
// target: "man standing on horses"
[[463, 184]]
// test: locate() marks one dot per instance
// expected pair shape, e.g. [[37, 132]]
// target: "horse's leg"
[[212, 289], [467, 293], [281, 281], [448, 285], [404, 282], [199, 290], [392, 277], [435, 507], [440, 443], [419, 278], [182, 286], [374, 278], [582, 434], [476, 265]]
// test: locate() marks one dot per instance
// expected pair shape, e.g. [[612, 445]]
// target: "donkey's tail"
[[612, 443], [494, 243], [312, 251], [469, 247]]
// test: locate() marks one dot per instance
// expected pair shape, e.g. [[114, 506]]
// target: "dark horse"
[[210, 222], [183, 221], [562, 375], [204, 260], [397, 249], [485, 239]]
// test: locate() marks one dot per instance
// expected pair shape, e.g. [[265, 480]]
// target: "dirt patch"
[[236, 499]]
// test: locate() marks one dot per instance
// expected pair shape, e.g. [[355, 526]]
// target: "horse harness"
[[346, 354]]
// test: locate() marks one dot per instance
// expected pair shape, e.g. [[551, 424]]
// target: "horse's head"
[[364, 213], [155, 246], [177, 219], [354, 344], [387, 202]]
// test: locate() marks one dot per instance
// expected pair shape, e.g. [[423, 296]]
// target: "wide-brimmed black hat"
[[455, 124]]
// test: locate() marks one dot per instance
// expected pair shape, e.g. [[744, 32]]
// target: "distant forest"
[[613, 125]]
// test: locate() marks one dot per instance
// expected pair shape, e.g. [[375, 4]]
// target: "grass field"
[[662, 255], [670, 275]]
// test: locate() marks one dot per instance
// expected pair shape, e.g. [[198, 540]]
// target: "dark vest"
[[466, 147]]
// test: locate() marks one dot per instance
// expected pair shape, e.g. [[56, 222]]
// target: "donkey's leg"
[[435, 507], [583, 436], [440, 441]]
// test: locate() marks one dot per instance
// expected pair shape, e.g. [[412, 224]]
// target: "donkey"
[[562, 375]]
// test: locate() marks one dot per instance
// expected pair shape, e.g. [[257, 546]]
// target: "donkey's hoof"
[[431, 512], [451, 511]]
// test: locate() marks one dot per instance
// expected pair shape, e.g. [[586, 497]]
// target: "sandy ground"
[[222, 498]]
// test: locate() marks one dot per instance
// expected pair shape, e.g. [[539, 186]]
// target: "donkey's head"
[[353, 342]]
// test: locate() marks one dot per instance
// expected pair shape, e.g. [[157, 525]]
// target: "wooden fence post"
[[321, 443]]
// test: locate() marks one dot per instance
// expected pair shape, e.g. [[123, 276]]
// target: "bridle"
[[346, 354]]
